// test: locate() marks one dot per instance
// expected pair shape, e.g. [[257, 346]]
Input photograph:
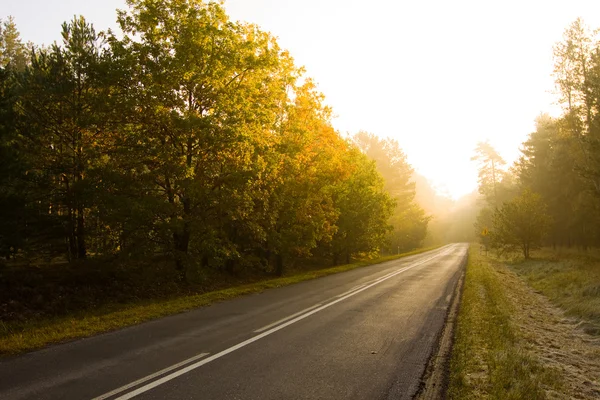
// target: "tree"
[[548, 166], [409, 228], [520, 223], [391, 164], [210, 92], [408, 219], [571, 68], [13, 200], [189, 138], [13, 53], [60, 121], [364, 208], [496, 186], [301, 212], [490, 172], [577, 77]]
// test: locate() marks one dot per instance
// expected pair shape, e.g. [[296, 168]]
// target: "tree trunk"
[[72, 236], [68, 245], [71, 233], [279, 265], [181, 241], [230, 266], [81, 248], [266, 256]]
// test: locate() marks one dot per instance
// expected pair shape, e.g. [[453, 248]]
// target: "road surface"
[[361, 334]]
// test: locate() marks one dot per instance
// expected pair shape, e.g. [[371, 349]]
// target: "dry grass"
[[490, 358], [570, 279], [512, 339]]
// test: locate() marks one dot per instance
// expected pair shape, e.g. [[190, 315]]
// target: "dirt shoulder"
[[557, 341]]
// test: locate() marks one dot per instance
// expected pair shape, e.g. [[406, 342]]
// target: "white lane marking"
[[350, 291], [358, 286], [383, 277], [147, 378], [441, 252], [339, 295], [264, 328], [200, 363]]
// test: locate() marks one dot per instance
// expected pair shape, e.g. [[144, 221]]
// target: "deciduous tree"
[[520, 224]]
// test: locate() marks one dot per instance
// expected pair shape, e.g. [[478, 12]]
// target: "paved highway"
[[361, 334]]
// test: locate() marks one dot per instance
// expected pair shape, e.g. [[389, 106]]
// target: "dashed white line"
[[149, 377], [350, 291], [264, 328], [292, 319], [358, 286]]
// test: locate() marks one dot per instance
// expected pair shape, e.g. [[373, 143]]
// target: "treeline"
[[551, 195], [190, 137]]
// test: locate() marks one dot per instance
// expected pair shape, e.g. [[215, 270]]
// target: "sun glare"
[[437, 76]]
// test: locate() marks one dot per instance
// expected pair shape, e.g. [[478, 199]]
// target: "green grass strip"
[[488, 359], [17, 338]]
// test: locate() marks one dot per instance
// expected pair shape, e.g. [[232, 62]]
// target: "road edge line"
[[149, 377], [434, 381], [253, 339]]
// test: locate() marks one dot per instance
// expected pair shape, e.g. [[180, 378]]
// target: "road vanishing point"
[[367, 333]]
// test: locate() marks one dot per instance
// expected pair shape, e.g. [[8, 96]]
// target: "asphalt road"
[[361, 334]]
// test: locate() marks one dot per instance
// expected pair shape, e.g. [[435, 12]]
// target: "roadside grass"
[[570, 279], [489, 357], [22, 336]]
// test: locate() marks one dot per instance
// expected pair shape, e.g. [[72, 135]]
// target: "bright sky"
[[436, 75]]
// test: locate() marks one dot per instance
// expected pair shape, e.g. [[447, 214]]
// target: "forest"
[[189, 152], [550, 195], [183, 168], [188, 141]]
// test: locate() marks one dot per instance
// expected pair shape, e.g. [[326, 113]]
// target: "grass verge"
[[570, 279], [489, 357], [19, 337]]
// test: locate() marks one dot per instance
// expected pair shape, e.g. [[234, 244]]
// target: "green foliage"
[[300, 212], [560, 160], [209, 97], [520, 224], [496, 187], [490, 172], [569, 147], [191, 138], [409, 221], [549, 167], [60, 116], [365, 208], [13, 53]]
